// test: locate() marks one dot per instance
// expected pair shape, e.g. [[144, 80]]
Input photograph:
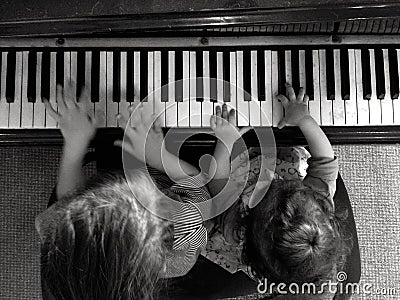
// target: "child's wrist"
[[305, 120]]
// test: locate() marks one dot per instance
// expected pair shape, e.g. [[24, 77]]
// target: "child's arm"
[[296, 113], [145, 141], [78, 128], [223, 123]]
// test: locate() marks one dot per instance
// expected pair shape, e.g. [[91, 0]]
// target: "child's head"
[[293, 236], [102, 244]]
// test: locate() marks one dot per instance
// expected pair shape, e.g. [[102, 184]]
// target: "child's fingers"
[[60, 98], [232, 117], [213, 122], [69, 95], [218, 114], [282, 123], [51, 110], [157, 125], [300, 96], [225, 112], [290, 92], [306, 99], [125, 146], [283, 100], [123, 123]]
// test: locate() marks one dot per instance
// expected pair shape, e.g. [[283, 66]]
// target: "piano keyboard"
[[348, 85]]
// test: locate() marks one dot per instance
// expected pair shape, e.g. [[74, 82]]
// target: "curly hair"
[[293, 236], [102, 244]]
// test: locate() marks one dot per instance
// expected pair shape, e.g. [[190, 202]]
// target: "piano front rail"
[[287, 136]]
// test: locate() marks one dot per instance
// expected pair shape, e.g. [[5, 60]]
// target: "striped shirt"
[[190, 235]]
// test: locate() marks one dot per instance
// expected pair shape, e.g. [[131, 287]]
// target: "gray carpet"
[[371, 174]]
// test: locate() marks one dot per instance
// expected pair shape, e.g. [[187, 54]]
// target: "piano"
[[180, 65]]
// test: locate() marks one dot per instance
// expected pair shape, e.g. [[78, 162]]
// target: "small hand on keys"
[[223, 123], [74, 118], [296, 108]]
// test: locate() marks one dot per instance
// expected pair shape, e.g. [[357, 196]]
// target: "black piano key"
[[80, 72], [366, 73], [199, 75], [116, 76], [95, 76], [309, 74], [393, 72], [281, 72], [261, 75], [60, 68], [164, 76], [344, 74], [143, 75], [226, 75], [330, 75], [10, 78], [1, 63], [31, 90], [130, 84], [213, 75], [178, 76], [45, 76], [247, 75], [379, 74], [295, 69]]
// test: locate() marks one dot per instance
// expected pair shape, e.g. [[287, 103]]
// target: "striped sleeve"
[[190, 236]]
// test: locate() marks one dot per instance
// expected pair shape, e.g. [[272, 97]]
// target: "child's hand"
[[144, 138], [223, 123], [296, 108], [75, 119]]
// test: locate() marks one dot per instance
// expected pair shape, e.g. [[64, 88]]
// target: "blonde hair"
[[103, 244]]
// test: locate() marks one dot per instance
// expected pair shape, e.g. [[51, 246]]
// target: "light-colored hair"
[[103, 244]]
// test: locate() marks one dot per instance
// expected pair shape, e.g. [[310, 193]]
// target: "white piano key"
[[326, 105], [254, 106], [302, 68], [112, 108], [362, 104], [124, 104], [159, 105], [277, 108], [15, 107], [195, 106], [148, 102], [88, 76], [396, 102], [314, 106], [207, 105], [220, 78], [39, 111], [242, 106], [50, 122], [171, 112], [351, 104], [183, 107], [26, 107], [67, 68], [74, 70], [4, 107], [338, 104], [387, 103], [232, 74], [100, 108], [288, 66], [266, 106], [374, 103]]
